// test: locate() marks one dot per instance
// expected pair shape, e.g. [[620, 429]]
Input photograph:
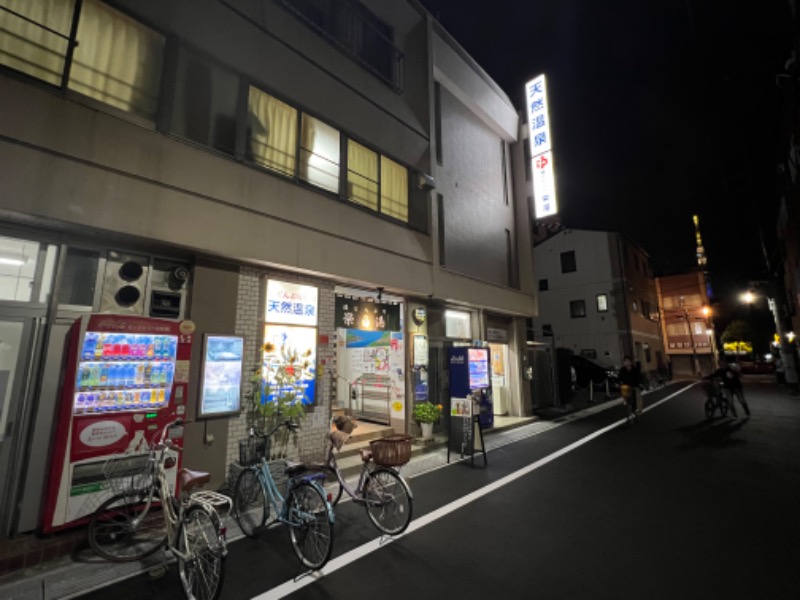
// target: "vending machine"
[[469, 378], [125, 378]]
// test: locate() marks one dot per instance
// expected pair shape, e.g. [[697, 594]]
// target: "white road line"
[[355, 554]]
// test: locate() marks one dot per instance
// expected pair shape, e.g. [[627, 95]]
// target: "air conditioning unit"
[[169, 284], [124, 284]]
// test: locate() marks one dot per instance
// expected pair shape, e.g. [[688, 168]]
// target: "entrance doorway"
[[20, 337]]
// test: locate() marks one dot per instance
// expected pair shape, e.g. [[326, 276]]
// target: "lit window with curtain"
[[394, 189], [34, 37], [362, 175], [271, 132], [117, 60], [319, 154]]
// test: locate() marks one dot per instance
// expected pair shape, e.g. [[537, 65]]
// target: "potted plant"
[[426, 414], [277, 391]]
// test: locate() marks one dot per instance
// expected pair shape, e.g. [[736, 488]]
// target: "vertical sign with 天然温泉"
[[291, 330], [544, 188]]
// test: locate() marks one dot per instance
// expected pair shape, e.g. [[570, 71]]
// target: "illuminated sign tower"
[[544, 187]]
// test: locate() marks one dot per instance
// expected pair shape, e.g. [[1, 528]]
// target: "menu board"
[[221, 389], [478, 368]]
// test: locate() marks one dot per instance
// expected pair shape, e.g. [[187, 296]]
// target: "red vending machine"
[[125, 379]]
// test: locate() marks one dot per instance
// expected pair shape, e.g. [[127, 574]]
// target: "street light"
[[748, 297]]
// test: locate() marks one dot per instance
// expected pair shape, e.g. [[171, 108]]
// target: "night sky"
[[658, 110]]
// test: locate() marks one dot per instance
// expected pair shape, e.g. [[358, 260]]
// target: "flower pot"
[[427, 430]]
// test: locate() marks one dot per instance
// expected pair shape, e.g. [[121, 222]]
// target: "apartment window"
[[362, 175], [544, 285], [271, 133], [526, 152], [602, 303], [437, 107], [79, 277], [357, 32], [568, 262], [35, 37], [577, 309], [115, 59], [319, 154], [440, 228], [677, 329], [547, 330], [206, 103], [394, 189]]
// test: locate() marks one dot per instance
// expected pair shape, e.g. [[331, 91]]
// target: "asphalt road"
[[675, 507]]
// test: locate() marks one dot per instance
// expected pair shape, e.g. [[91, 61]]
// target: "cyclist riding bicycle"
[[630, 380]]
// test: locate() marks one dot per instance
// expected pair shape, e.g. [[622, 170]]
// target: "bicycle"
[[136, 522], [629, 399], [305, 509], [381, 489], [715, 399]]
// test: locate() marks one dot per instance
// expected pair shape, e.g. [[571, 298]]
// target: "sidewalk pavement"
[[82, 571]]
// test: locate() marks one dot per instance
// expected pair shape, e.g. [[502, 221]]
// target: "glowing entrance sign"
[[544, 189]]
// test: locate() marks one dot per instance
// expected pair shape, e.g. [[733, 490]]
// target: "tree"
[[737, 332]]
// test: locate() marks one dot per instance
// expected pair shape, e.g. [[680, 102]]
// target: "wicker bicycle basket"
[[252, 449], [391, 451]]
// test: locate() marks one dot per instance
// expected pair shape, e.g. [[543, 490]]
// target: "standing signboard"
[[469, 381]]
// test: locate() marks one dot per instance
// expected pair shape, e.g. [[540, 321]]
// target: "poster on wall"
[[221, 384], [375, 359], [291, 352]]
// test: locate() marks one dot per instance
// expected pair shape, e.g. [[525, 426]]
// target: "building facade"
[[225, 146], [686, 323], [597, 298]]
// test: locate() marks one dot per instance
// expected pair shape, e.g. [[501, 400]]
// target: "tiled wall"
[[309, 443]]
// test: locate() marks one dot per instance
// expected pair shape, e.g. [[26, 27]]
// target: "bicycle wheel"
[[710, 408], [310, 525], [723, 406], [200, 562], [121, 530], [388, 501], [249, 503]]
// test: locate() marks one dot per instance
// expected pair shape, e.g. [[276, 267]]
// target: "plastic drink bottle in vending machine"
[[89, 344], [124, 348], [98, 349], [158, 346]]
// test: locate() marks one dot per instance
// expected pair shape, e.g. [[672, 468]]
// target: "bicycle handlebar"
[[288, 423], [160, 438]]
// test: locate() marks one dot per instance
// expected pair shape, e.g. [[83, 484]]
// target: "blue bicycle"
[[258, 504]]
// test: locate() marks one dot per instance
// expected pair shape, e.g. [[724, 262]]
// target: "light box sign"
[[291, 303], [221, 388], [540, 146], [544, 186], [290, 354]]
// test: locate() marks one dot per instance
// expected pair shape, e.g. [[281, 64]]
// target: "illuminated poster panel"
[[221, 375], [540, 145]]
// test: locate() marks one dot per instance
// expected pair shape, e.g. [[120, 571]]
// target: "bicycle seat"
[[191, 479], [293, 469]]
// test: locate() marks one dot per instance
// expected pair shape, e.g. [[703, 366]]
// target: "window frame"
[[605, 302], [567, 255], [573, 313]]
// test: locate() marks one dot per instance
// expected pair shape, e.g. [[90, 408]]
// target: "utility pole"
[[695, 361]]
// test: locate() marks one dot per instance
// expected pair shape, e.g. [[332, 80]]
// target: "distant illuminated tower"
[[702, 260]]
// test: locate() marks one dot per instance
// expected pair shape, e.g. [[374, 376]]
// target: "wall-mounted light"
[[790, 336], [425, 182]]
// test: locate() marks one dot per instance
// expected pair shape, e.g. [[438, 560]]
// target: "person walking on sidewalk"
[[732, 384], [630, 380]]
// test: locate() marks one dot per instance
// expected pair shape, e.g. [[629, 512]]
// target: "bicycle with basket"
[[144, 515], [258, 502], [381, 488], [715, 398]]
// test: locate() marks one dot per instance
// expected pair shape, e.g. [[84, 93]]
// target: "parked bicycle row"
[[145, 515]]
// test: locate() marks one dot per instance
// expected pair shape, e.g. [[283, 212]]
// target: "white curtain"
[[29, 48], [118, 61], [394, 189], [319, 159], [273, 132], [362, 175]]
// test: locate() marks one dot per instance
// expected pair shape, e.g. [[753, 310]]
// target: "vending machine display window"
[[120, 372], [222, 375]]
